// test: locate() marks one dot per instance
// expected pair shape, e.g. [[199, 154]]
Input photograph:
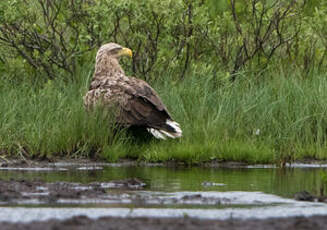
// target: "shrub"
[[60, 35]]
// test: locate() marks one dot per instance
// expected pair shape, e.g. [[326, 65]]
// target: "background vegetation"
[[246, 79]]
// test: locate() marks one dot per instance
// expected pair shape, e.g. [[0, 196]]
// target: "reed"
[[267, 119]]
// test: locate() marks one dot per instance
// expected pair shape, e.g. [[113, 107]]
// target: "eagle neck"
[[107, 66]]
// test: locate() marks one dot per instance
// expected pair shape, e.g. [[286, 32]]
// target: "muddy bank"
[[73, 163], [125, 191], [82, 222], [63, 163], [68, 163], [16, 191]]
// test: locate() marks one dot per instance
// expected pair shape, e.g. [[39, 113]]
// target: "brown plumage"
[[137, 104]]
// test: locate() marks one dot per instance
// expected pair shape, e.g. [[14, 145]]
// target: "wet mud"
[[72, 163], [15, 191], [306, 196], [114, 191], [83, 222]]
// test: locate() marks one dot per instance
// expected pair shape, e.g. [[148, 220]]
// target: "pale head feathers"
[[107, 59], [113, 50]]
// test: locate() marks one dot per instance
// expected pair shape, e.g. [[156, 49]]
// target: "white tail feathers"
[[163, 134]]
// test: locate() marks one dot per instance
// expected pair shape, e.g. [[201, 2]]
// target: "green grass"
[[266, 119]]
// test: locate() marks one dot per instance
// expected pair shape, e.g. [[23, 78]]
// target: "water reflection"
[[283, 182]]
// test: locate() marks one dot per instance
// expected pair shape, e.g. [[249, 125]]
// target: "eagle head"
[[114, 50]]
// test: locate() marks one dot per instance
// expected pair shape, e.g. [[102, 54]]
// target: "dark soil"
[[44, 163], [306, 196], [69, 163], [85, 223], [14, 191]]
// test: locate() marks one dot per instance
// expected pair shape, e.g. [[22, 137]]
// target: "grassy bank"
[[278, 118]]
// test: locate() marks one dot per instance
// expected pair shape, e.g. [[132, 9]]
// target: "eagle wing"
[[143, 106], [138, 105]]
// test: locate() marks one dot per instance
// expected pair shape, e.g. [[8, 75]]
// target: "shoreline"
[[83, 222], [69, 162]]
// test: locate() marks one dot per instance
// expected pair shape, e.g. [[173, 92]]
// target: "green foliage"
[[217, 7], [323, 187], [52, 36]]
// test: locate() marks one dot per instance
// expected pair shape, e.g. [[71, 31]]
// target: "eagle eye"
[[115, 50]]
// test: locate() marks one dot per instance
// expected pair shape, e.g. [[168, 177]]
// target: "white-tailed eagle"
[[138, 105]]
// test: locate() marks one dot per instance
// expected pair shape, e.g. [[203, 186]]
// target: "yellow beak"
[[126, 52]]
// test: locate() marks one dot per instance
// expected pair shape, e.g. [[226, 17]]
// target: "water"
[[253, 192], [283, 182]]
